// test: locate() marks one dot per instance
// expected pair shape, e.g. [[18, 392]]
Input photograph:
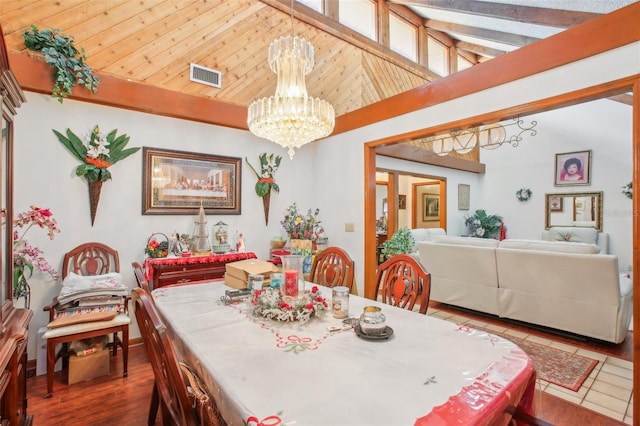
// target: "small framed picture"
[[556, 203], [431, 207], [402, 202], [573, 168], [464, 192]]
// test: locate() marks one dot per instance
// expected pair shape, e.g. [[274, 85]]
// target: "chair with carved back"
[[170, 387], [333, 267], [87, 259], [141, 279], [401, 281]]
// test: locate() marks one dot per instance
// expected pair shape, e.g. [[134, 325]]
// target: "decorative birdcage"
[[200, 245], [221, 237]]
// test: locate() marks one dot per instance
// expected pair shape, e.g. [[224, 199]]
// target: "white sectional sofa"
[[563, 285]]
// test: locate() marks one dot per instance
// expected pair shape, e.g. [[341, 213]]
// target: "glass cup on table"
[[256, 282]]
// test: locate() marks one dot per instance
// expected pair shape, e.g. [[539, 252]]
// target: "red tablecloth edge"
[[484, 401]]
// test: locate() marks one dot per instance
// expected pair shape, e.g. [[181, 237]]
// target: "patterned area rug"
[[555, 365]]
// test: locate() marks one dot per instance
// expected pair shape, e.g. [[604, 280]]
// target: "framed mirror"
[[579, 209]]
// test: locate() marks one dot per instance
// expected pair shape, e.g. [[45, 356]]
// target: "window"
[[403, 37], [463, 63], [313, 4], [359, 15], [438, 55]]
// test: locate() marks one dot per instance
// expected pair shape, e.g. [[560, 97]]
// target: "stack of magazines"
[[88, 294]]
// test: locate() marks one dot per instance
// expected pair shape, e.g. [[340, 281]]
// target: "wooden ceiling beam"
[[607, 32], [414, 153], [531, 15], [492, 35], [328, 25], [478, 50]]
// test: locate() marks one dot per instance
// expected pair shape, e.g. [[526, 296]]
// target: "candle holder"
[[293, 275]]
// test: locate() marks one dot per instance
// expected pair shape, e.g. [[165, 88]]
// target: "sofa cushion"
[[555, 246], [573, 234], [466, 241], [424, 234]]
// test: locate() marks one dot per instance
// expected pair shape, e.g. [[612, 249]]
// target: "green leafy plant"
[[400, 242], [98, 154], [68, 62], [266, 178], [482, 225]]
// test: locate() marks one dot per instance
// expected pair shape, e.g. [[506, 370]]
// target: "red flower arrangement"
[[270, 303]]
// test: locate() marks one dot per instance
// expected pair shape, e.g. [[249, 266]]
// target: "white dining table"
[[263, 372]]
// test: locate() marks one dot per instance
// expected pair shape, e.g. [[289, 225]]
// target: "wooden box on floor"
[[89, 367]]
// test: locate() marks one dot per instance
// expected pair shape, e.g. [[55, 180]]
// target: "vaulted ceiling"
[[154, 41]]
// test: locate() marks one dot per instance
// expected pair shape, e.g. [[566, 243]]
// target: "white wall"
[[328, 175], [44, 176], [604, 127]]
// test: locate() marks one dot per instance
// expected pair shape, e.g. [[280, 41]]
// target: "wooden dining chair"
[[401, 281], [141, 279], [333, 267], [170, 388], [87, 259]]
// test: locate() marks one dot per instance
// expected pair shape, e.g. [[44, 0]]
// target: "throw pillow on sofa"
[[573, 234], [552, 246]]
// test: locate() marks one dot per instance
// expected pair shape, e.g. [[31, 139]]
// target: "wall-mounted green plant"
[[61, 54]]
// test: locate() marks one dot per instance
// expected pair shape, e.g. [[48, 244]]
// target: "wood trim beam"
[[635, 202], [599, 35], [491, 35], [478, 50], [311, 17], [533, 15], [35, 75], [421, 155]]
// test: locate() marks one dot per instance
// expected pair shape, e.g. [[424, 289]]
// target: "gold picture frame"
[[178, 182]]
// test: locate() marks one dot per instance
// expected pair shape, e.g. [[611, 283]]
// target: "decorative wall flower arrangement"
[[627, 190], [269, 164], [97, 155], [523, 194]]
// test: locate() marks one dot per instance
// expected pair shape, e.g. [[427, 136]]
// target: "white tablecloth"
[[430, 372]]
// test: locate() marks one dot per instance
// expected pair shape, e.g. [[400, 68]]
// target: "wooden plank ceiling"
[[154, 41]]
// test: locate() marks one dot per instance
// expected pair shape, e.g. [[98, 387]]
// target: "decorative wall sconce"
[[463, 141]]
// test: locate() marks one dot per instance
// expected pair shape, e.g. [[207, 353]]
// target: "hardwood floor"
[[114, 400], [107, 400]]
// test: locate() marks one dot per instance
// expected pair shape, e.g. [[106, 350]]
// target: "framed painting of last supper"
[[178, 182]]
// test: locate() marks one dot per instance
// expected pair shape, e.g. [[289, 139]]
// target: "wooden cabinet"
[[179, 270], [14, 322]]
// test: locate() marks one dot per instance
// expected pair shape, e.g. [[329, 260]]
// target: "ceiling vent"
[[205, 75]]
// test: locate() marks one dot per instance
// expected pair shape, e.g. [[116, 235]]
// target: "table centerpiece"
[[270, 303]]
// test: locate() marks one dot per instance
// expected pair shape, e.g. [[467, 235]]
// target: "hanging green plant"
[[68, 62]]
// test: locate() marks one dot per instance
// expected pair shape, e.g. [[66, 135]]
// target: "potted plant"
[[482, 225], [400, 242], [67, 61]]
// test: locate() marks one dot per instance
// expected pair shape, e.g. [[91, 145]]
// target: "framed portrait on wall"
[[573, 168], [464, 194], [430, 207], [402, 202], [178, 182]]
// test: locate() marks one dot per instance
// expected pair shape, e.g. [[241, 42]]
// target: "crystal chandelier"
[[291, 118]]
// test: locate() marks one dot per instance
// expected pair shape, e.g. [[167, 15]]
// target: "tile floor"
[[607, 390]]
